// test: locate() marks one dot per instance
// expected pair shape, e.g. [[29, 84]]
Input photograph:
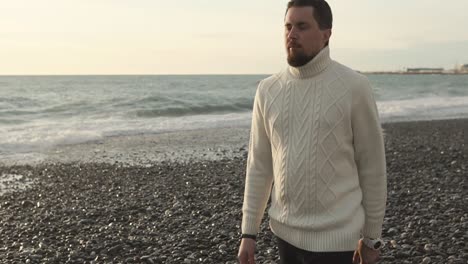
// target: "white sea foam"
[[424, 108], [41, 136]]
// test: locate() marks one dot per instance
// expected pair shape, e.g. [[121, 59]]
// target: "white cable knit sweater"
[[316, 146]]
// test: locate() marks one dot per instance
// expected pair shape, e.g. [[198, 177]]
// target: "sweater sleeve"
[[369, 153], [259, 171]]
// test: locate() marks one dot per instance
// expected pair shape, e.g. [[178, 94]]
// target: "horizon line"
[[131, 74]]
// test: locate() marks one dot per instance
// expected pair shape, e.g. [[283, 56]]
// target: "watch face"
[[377, 245]]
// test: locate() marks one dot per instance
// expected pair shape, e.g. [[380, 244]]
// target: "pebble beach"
[[178, 199]]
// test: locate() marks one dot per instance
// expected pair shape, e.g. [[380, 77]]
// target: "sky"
[[56, 37]]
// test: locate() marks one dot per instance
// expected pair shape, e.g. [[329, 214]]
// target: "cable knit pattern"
[[313, 160], [328, 144], [316, 146]]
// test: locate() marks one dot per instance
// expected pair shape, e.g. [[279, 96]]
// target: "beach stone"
[[86, 222], [27, 203], [428, 247], [222, 247], [404, 235], [402, 254], [392, 231], [36, 257], [426, 260], [114, 250]]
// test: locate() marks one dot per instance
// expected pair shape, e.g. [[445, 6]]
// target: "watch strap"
[[254, 237]]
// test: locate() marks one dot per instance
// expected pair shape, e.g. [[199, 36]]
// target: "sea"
[[40, 112]]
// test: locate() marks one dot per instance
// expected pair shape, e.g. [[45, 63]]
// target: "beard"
[[297, 58]]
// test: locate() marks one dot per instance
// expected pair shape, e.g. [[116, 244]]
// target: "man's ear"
[[326, 34]]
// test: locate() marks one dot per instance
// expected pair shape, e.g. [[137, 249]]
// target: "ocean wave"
[[44, 135], [424, 108], [190, 109], [10, 113], [19, 101], [44, 138], [7, 121]]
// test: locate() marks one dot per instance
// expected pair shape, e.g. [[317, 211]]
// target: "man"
[[316, 138]]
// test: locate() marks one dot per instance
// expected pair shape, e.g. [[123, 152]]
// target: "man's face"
[[303, 37]]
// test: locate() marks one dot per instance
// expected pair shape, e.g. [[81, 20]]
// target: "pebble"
[[428, 247], [392, 231], [426, 260]]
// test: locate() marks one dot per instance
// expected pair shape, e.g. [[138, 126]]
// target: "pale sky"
[[219, 37]]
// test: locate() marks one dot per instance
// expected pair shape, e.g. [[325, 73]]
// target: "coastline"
[[415, 73], [146, 149], [177, 198]]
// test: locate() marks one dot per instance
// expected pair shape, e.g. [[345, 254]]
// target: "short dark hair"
[[322, 11]]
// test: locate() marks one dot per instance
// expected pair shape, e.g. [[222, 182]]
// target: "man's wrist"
[[254, 237], [373, 243]]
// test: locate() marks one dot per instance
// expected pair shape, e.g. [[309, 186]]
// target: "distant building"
[[425, 70], [464, 68]]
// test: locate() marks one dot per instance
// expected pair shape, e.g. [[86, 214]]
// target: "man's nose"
[[292, 33]]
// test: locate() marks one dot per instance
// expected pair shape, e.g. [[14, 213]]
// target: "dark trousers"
[[290, 254]]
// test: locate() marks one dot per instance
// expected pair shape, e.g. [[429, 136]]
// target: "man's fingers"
[[246, 258], [247, 251], [356, 257], [364, 261], [251, 258], [243, 258]]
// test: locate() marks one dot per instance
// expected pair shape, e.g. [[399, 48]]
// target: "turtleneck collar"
[[313, 67]]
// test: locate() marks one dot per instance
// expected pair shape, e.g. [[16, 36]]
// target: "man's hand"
[[247, 251], [365, 255]]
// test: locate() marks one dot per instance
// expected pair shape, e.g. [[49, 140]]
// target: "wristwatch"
[[254, 237], [373, 243]]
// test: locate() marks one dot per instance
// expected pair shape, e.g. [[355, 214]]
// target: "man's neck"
[[315, 66]]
